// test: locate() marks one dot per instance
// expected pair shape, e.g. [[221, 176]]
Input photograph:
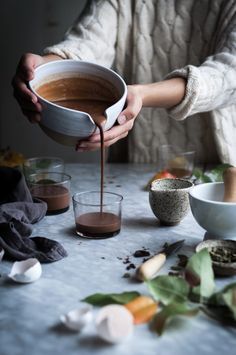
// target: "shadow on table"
[[141, 222], [69, 231], [93, 342], [7, 282], [61, 329], [89, 341]]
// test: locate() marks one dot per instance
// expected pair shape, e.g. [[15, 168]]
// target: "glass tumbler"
[[42, 165], [52, 188], [96, 221], [177, 162]]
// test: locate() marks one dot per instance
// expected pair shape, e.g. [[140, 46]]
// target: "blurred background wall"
[[29, 26]]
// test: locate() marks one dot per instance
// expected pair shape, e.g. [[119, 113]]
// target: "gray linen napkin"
[[18, 211]]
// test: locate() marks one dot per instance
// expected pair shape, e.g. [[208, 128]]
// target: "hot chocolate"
[[98, 225], [56, 197], [90, 90]]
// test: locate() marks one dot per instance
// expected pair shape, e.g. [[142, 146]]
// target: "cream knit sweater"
[[146, 41]]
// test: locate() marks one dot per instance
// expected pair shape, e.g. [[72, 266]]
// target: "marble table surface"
[[30, 313]]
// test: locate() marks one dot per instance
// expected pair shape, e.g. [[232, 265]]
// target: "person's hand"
[[28, 102], [125, 123]]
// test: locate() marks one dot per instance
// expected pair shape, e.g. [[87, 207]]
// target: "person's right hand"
[[28, 102]]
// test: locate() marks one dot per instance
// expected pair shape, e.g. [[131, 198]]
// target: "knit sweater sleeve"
[[93, 35], [212, 85]]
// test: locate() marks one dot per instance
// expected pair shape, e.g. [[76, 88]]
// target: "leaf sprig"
[[183, 296]]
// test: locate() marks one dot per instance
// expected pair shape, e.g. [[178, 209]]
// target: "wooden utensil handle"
[[150, 267], [229, 177]]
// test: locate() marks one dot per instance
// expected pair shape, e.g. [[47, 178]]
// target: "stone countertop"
[[29, 317]]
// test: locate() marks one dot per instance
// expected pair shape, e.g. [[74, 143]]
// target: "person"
[[179, 61]]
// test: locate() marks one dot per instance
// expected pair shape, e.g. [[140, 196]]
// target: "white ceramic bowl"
[[216, 217], [66, 125]]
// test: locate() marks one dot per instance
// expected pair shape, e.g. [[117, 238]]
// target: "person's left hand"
[[125, 123]]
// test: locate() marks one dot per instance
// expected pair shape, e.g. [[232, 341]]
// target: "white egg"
[[114, 323], [78, 318], [26, 271]]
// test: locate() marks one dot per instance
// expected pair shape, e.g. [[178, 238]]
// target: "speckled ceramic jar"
[[169, 199]]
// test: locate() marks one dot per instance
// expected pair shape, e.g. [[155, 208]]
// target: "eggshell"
[[26, 271], [114, 323], [78, 318]]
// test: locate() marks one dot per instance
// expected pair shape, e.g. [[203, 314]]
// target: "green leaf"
[[200, 177], [197, 173], [205, 178], [220, 313], [168, 289], [169, 312], [216, 174], [225, 298], [199, 274], [213, 175], [229, 298], [102, 299]]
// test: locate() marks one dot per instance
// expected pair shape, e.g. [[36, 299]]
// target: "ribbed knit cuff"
[[65, 49], [186, 106]]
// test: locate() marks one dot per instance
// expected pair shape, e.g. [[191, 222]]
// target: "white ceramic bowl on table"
[[66, 125], [218, 218]]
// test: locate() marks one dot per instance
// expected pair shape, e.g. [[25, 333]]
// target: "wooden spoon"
[[229, 177]]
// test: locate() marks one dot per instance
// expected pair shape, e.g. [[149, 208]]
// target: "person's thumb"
[[122, 119], [28, 63], [133, 107]]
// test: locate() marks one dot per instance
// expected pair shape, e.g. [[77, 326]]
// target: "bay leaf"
[[200, 276], [102, 299], [168, 289], [225, 298], [169, 312], [229, 297], [222, 314]]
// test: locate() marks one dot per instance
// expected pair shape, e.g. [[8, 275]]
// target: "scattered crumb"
[[126, 260], [173, 273], [141, 253], [179, 268], [126, 275], [131, 266], [183, 260], [176, 268]]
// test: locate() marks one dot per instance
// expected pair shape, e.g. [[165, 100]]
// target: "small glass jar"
[[53, 188], [96, 221]]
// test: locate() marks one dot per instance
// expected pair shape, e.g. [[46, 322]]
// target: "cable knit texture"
[[147, 41]]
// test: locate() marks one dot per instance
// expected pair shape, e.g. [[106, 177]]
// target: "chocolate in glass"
[[52, 188], [92, 221]]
